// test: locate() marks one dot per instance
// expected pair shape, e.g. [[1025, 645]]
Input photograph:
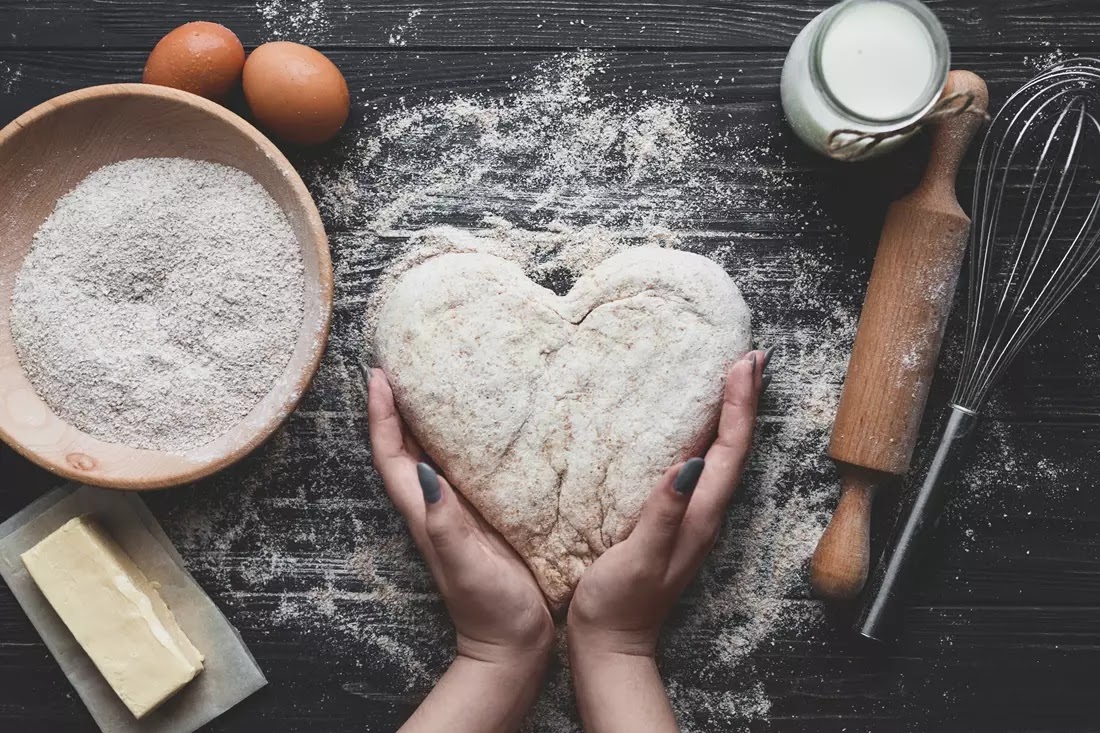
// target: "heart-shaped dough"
[[555, 416]]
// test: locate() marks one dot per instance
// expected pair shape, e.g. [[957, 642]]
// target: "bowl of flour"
[[165, 286]]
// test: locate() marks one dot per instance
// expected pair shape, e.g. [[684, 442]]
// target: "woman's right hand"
[[622, 600], [624, 597]]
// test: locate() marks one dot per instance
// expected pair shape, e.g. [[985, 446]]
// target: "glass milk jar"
[[875, 66]]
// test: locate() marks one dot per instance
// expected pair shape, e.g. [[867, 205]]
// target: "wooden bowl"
[[48, 151]]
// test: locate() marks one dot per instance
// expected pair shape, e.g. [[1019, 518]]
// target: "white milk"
[[868, 65]]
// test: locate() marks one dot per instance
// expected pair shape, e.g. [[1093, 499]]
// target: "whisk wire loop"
[[1037, 219]]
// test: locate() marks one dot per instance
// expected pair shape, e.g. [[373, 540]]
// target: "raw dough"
[[555, 416]]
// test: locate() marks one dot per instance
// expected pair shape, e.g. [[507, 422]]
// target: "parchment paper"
[[230, 674]]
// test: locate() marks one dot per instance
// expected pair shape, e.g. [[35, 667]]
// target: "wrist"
[[510, 658], [594, 641], [619, 690], [485, 690]]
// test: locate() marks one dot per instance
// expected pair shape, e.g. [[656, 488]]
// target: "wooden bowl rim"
[[9, 135]]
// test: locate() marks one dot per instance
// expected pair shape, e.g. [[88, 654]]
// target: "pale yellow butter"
[[115, 613]]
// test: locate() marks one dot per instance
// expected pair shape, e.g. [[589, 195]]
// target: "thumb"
[[659, 524], [444, 521]]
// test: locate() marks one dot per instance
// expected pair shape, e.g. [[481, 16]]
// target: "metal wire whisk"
[[1036, 237]]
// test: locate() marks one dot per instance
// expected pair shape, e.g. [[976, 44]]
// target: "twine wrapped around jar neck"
[[859, 143]]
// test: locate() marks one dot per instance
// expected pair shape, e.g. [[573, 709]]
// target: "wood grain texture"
[[1004, 633], [494, 24]]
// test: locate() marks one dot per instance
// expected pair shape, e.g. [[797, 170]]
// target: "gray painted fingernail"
[[768, 356], [766, 383], [364, 371], [688, 476], [425, 458], [429, 482]]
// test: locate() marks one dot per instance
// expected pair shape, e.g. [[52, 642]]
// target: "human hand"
[[623, 599], [496, 605]]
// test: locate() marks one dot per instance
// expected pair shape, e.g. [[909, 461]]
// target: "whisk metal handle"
[[889, 584]]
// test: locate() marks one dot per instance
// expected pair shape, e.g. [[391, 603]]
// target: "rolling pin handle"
[[839, 567], [950, 141]]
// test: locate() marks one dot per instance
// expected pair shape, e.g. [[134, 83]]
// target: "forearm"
[[621, 692], [478, 696]]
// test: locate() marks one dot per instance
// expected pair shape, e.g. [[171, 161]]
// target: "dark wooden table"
[[1003, 634]]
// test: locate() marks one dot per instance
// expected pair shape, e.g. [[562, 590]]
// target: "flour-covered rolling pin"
[[897, 345]]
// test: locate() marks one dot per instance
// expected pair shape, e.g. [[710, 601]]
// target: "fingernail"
[[366, 371], [768, 356], [688, 476], [766, 383], [424, 457], [753, 362], [429, 482]]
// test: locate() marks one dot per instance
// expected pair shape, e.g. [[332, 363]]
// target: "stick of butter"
[[115, 613]]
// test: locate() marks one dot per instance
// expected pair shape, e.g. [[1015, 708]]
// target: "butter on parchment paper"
[[115, 613]]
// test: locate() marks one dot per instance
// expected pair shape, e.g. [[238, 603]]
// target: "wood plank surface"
[[1002, 634], [493, 24]]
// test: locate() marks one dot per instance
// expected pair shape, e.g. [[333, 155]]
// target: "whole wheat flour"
[[160, 302], [556, 416]]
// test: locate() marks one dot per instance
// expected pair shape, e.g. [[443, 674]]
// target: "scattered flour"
[[1044, 61], [9, 77], [399, 34], [573, 172], [548, 152], [295, 20]]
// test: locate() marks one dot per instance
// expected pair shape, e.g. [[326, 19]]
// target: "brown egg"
[[201, 58], [296, 92]]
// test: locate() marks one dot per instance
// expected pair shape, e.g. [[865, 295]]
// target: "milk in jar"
[[875, 66]]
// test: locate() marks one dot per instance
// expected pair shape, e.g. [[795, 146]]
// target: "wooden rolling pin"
[[897, 345]]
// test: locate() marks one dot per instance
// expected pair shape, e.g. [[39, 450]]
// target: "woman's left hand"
[[498, 610]]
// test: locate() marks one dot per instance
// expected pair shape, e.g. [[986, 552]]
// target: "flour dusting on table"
[[550, 150], [573, 168], [304, 21], [9, 77]]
